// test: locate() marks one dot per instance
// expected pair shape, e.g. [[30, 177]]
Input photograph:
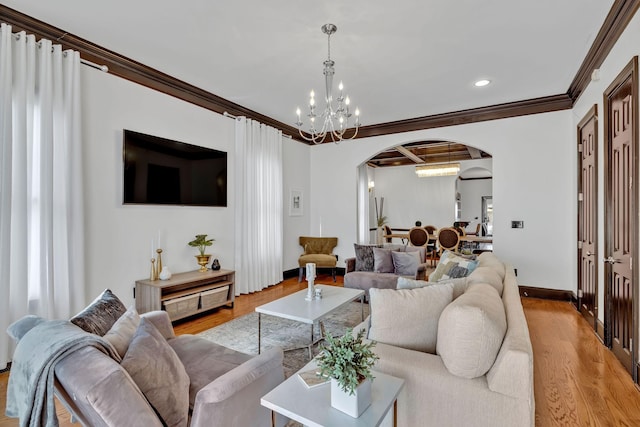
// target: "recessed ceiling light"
[[481, 83]]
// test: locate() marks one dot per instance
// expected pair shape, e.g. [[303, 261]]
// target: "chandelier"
[[333, 121]]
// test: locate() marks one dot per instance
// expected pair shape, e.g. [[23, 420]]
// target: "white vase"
[[165, 274], [354, 404]]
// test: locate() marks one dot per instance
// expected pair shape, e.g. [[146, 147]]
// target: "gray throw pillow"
[[99, 316], [382, 261], [405, 263], [122, 332], [364, 257], [159, 374]]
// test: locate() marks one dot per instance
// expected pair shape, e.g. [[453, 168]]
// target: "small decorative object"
[[201, 242], [165, 274], [381, 220], [215, 265], [159, 263], [318, 293], [154, 274], [311, 275], [348, 361]]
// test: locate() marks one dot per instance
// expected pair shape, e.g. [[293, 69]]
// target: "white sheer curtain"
[[259, 206], [41, 223]]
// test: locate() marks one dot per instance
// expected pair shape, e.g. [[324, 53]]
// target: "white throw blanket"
[[30, 390]]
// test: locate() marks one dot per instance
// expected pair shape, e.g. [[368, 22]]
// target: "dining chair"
[[448, 239], [418, 236]]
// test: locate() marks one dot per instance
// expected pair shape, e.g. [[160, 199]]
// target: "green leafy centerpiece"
[[348, 360], [201, 242]]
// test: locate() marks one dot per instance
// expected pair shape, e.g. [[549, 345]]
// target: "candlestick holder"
[[154, 274], [159, 263]]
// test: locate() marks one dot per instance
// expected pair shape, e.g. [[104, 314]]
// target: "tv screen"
[[160, 171]]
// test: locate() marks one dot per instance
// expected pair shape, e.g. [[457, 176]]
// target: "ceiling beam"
[[474, 152], [408, 154]]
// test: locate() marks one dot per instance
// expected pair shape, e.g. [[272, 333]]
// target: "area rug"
[[241, 334]]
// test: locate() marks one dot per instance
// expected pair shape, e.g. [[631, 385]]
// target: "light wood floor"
[[578, 382]]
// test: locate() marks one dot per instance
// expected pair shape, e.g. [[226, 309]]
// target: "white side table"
[[312, 406]]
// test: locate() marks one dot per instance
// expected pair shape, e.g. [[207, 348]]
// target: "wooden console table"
[[186, 294]]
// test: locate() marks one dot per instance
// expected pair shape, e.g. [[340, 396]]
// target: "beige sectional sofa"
[[481, 372]]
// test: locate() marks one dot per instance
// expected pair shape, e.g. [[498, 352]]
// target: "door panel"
[[621, 224], [588, 217]]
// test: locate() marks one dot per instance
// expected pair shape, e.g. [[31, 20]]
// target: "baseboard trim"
[[600, 330], [7, 369], [545, 293]]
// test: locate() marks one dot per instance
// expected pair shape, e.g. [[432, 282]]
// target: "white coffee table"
[[312, 406], [295, 307]]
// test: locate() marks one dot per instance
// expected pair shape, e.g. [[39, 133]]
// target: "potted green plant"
[[348, 360], [201, 242]]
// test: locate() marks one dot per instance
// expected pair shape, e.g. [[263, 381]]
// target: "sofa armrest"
[[234, 397], [162, 322], [350, 264]]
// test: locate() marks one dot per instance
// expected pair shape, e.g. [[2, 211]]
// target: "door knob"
[[589, 253], [611, 260]]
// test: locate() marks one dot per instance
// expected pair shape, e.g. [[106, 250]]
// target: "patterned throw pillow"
[[99, 316], [364, 257], [452, 266]]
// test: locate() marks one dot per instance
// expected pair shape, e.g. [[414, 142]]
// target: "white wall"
[[625, 49], [408, 199], [295, 158], [528, 185], [118, 237]]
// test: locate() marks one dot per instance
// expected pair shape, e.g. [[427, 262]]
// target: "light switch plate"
[[517, 224]]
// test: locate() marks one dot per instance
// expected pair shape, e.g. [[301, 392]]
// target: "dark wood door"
[[621, 215], [588, 217]]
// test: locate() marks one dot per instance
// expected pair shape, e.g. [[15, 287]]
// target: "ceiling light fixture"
[[441, 169], [481, 83], [334, 119]]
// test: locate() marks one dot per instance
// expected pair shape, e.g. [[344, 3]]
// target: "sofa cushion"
[[459, 285], [156, 369], [453, 265], [488, 259], [405, 263], [471, 330], [486, 275], [382, 261], [364, 257], [99, 316], [121, 333], [204, 361], [408, 318]]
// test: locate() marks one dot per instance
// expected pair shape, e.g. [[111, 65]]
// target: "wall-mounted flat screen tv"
[[160, 171]]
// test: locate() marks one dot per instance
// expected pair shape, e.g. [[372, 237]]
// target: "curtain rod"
[[86, 62], [227, 114]]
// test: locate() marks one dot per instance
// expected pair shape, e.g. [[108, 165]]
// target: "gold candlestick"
[[153, 275], [159, 264]]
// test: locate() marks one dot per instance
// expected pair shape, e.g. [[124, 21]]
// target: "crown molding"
[[616, 21], [614, 24], [134, 71]]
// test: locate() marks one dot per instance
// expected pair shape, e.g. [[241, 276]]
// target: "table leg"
[[362, 308], [395, 413], [259, 331], [273, 418], [311, 344]]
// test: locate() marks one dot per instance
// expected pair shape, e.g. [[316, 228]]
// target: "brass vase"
[[203, 260]]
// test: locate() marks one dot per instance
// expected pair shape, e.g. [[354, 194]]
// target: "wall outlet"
[[517, 224]]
